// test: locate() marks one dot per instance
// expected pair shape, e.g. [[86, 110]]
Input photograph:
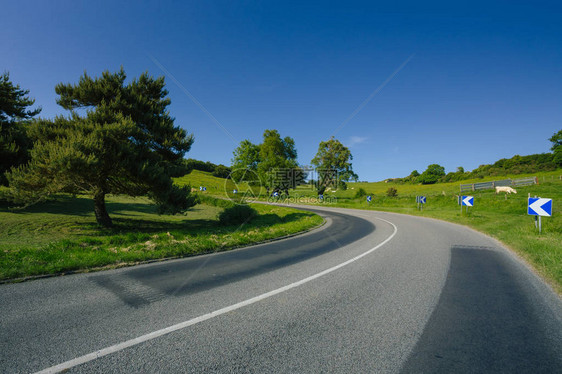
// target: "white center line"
[[182, 325]]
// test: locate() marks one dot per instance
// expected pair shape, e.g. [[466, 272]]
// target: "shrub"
[[360, 193], [215, 201], [237, 214], [432, 174], [392, 192]]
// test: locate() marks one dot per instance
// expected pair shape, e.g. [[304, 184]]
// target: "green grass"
[[501, 218], [218, 186], [61, 235]]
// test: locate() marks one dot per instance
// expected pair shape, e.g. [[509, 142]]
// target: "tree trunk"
[[102, 217]]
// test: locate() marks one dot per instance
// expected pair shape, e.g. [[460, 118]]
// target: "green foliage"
[[237, 214], [360, 193], [214, 201], [126, 143], [276, 153], [191, 164], [432, 174], [246, 158], [332, 156], [260, 164], [14, 142], [221, 171], [556, 140], [557, 157], [392, 192], [556, 148], [515, 165]]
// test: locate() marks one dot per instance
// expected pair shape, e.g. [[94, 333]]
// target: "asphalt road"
[[368, 292]]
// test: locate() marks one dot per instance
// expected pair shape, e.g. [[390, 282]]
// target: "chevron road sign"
[[420, 199], [539, 207], [467, 201], [369, 198]]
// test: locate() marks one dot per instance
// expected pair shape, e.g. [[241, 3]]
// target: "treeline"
[[515, 165], [219, 170], [273, 164], [505, 166]]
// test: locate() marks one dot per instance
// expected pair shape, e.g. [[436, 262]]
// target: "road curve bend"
[[367, 292]]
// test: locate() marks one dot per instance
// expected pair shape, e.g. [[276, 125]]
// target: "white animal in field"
[[505, 189]]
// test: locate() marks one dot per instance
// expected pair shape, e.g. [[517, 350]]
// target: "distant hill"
[[515, 165], [535, 163], [219, 171]]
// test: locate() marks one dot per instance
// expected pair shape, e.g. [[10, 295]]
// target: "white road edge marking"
[[155, 334]]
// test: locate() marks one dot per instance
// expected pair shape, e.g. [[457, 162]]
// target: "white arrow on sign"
[[467, 201], [537, 207]]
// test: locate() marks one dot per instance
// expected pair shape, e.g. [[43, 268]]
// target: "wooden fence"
[[493, 184]]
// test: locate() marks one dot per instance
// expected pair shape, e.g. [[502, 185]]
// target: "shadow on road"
[[483, 322]]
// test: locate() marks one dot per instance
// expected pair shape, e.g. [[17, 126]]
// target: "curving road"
[[367, 292]]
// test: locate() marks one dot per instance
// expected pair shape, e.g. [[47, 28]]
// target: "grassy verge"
[[504, 218], [61, 235]]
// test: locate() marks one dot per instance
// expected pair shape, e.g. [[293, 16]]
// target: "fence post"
[[473, 187]]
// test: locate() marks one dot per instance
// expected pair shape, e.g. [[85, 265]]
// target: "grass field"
[[61, 235]]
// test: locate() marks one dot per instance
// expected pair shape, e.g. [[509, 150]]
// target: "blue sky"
[[481, 81]]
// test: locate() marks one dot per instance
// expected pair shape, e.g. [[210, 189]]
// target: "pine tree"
[[14, 142], [125, 143]]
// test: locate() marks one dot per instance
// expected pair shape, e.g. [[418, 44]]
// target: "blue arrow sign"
[[321, 197], [235, 191], [467, 200], [276, 194], [539, 207], [420, 199], [369, 198]]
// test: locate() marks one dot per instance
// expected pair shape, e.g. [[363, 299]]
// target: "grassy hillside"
[[217, 186], [214, 185]]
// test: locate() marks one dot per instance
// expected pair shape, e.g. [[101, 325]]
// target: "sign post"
[[538, 206], [467, 201], [420, 200]]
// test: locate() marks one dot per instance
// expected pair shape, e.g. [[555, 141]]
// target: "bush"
[[360, 193], [221, 171], [392, 192], [237, 214], [215, 201]]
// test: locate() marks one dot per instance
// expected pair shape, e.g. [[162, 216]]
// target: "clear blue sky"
[[484, 80]]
